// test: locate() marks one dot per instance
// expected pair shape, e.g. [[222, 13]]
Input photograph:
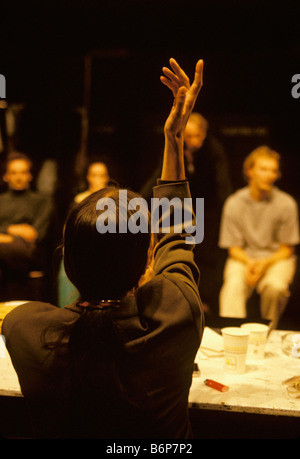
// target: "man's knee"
[[275, 289], [236, 284]]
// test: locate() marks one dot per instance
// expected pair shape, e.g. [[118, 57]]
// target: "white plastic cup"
[[235, 340], [257, 340]]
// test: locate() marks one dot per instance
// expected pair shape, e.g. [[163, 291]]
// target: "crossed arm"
[[23, 230], [257, 267]]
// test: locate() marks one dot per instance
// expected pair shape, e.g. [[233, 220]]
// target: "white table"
[[259, 390], [9, 383], [239, 413]]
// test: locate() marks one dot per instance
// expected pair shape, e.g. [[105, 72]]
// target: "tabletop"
[[260, 389], [9, 383]]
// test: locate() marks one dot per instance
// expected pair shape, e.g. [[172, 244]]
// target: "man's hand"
[[185, 96], [257, 267], [255, 270], [23, 230]]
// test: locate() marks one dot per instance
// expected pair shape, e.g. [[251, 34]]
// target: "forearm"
[[173, 161], [284, 252], [25, 231], [239, 254]]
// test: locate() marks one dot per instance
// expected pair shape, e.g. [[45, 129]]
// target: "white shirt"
[[259, 227]]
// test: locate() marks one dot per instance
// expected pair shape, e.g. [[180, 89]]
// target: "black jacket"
[[161, 327]]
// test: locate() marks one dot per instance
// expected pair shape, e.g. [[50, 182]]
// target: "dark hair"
[[102, 266]]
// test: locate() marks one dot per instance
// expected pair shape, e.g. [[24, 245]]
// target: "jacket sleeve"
[[173, 254]]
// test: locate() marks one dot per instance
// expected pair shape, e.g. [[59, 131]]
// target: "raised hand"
[[176, 79], [185, 96]]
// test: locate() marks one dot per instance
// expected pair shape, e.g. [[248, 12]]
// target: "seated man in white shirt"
[[259, 227]]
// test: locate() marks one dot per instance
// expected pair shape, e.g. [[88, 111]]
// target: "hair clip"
[[100, 304]]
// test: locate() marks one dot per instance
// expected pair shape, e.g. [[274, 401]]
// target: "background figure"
[[208, 175], [259, 228], [97, 177], [206, 163], [47, 177], [25, 217]]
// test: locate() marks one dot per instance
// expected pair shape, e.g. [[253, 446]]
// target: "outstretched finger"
[[198, 78], [195, 88], [169, 74], [179, 72], [180, 100], [170, 84]]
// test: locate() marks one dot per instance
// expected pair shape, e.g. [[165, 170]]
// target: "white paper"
[[212, 344], [8, 377]]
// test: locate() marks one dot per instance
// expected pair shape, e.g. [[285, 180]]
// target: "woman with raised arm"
[[118, 363]]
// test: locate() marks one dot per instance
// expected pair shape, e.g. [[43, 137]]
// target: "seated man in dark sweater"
[[24, 217]]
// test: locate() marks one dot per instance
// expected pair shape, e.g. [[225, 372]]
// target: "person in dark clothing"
[[208, 175], [25, 217], [118, 363], [206, 162]]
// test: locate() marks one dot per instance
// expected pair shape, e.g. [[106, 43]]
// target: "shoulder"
[[283, 198], [5, 195], [170, 299], [33, 316], [81, 196], [237, 198], [37, 197], [171, 289]]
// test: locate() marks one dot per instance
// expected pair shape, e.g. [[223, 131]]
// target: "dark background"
[[251, 51]]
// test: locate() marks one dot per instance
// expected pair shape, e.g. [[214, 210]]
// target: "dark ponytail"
[[90, 350], [94, 350]]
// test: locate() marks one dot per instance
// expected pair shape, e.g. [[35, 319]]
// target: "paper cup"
[[257, 340], [235, 341]]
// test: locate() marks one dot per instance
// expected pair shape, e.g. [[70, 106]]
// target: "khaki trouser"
[[273, 289]]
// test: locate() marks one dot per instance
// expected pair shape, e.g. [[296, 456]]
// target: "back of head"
[[102, 266]]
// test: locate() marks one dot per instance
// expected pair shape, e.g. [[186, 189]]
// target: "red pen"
[[216, 385]]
